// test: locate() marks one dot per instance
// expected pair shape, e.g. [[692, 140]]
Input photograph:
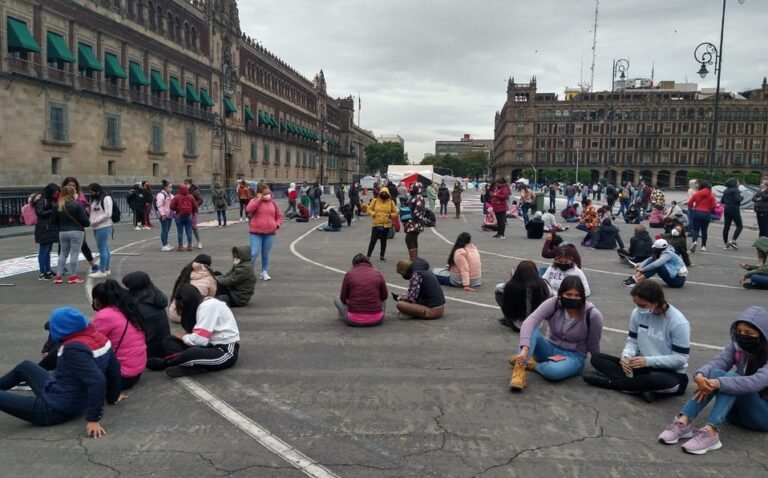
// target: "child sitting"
[[656, 219], [236, 286], [513, 210], [489, 221]]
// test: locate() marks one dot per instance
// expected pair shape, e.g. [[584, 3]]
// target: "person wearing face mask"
[[677, 238], [756, 276], [664, 262], [415, 225], [574, 329], [761, 207], [655, 355], [265, 219], [382, 211], [737, 380], [640, 247], [236, 286], [562, 267]]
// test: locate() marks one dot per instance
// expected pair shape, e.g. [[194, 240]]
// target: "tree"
[[472, 165], [378, 156]]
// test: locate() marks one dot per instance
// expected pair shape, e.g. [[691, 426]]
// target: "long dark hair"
[[49, 191], [524, 292], [97, 193], [110, 294], [140, 286], [187, 299], [70, 179], [185, 276], [573, 282], [461, 242]]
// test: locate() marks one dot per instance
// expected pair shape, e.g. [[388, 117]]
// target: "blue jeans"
[[221, 216], [623, 206], [760, 280], [165, 228], [32, 409], [526, 207], [571, 200], [747, 411], [675, 282], [102, 243], [541, 349], [314, 207], [699, 226], [261, 243], [44, 257], [330, 229], [184, 224]]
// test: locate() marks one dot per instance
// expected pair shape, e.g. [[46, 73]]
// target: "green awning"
[[19, 38], [192, 94], [283, 126], [176, 90], [312, 135], [291, 129], [136, 74], [112, 67], [86, 60], [273, 121], [249, 114], [229, 107], [205, 99], [262, 118], [58, 50], [157, 81]]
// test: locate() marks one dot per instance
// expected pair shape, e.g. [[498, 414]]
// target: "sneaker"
[[629, 282], [176, 371], [21, 387], [693, 247], [703, 441], [199, 245], [58, 280], [495, 236], [147, 228], [43, 276], [108, 272], [49, 276], [156, 363], [137, 228], [598, 379], [265, 276], [703, 248], [502, 237], [166, 248], [727, 246], [75, 279], [383, 259], [95, 268], [746, 285], [97, 275], [733, 244], [674, 432], [648, 396]]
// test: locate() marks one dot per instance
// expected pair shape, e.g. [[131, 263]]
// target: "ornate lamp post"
[[620, 68]]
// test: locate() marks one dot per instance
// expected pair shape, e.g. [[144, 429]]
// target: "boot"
[[529, 365], [413, 254], [597, 379], [517, 383]]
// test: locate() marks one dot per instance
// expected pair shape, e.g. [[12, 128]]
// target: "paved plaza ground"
[[407, 399]]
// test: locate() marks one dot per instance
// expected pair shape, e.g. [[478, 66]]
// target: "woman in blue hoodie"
[[86, 372], [737, 380]]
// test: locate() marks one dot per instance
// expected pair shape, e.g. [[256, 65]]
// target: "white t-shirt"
[[555, 276]]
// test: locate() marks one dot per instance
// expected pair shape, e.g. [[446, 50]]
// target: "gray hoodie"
[[732, 356]]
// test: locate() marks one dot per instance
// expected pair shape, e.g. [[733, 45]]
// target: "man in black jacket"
[[136, 201], [731, 212]]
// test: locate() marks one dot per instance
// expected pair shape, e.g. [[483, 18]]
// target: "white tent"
[[367, 182], [521, 181]]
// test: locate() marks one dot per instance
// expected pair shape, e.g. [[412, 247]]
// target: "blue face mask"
[[644, 312]]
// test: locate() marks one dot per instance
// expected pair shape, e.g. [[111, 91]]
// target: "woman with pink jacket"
[[265, 220], [200, 275], [118, 318], [464, 268]]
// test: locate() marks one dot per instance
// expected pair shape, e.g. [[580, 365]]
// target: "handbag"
[[121, 337], [391, 233]]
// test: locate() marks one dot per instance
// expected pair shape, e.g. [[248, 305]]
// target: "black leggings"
[[138, 217], [443, 208], [209, 357], [412, 240], [728, 217], [89, 255], [377, 235], [501, 219], [243, 203], [646, 379]]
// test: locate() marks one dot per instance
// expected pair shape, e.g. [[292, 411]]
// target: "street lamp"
[[707, 54], [620, 68]]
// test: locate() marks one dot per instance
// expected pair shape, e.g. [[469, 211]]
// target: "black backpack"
[[116, 214], [429, 218]]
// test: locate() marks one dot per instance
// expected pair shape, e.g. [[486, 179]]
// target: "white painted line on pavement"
[[269, 441]]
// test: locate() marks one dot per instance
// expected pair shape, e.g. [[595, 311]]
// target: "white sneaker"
[[98, 275], [166, 248], [703, 248], [109, 273], [265, 276], [137, 228], [199, 245]]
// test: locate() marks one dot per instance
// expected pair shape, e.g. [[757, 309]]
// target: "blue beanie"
[[65, 321]]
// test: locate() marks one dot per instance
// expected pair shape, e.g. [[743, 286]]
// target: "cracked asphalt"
[[405, 399]]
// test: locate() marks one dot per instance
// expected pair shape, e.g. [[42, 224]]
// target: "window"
[[253, 152], [277, 156], [191, 143], [559, 157], [667, 128], [288, 158], [595, 143], [577, 143], [594, 158], [55, 166], [684, 143], [545, 128], [578, 128], [57, 123], [156, 144], [111, 168], [628, 157], [720, 143], [265, 158], [518, 143], [683, 158], [739, 128], [755, 161], [595, 128], [189, 170], [113, 131], [630, 128], [738, 143], [520, 128], [542, 158], [757, 144], [155, 169], [630, 143], [685, 127]]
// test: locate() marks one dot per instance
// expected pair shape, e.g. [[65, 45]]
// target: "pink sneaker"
[[75, 279], [674, 432], [58, 280], [703, 441]]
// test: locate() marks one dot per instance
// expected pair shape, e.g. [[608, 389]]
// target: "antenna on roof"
[[594, 45]]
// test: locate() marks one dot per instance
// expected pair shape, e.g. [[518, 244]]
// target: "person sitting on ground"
[[334, 221], [656, 219], [424, 299], [490, 223], [562, 267], [570, 214], [118, 318], [464, 267], [86, 373], [152, 304], [739, 395], [640, 247], [655, 355], [363, 298], [535, 227], [209, 341], [521, 295], [199, 274], [588, 221], [574, 329], [236, 287], [607, 236], [552, 242], [675, 212], [756, 276], [303, 214], [664, 262], [514, 210], [550, 222], [634, 214], [679, 241]]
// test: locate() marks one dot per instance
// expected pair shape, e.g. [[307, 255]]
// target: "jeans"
[[314, 208], [760, 280], [541, 349], [32, 409], [675, 282], [748, 411], [571, 200], [443, 208], [623, 206], [728, 218], [526, 207], [700, 225], [165, 228], [221, 217], [44, 257], [71, 242], [184, 224], [102, 243], [327, 228], [261, 243]]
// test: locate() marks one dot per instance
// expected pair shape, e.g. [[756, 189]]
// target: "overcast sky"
[[435, 69]]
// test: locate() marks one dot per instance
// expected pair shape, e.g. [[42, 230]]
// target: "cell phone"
[[557, 358], [394, 296]]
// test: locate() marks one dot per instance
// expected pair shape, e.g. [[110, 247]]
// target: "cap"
[[660, 244]]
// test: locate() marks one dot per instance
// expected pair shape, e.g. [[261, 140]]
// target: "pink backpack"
[[28, 213]]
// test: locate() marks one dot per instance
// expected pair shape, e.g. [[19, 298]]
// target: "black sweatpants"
[[377, 235], [210, 357], [732, 216], [646, 379], [501, 220]]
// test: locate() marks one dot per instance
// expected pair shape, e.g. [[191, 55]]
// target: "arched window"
[[177, 30], [160, 28], [169, 26], [187, 35], [151, 15], [193, 32]]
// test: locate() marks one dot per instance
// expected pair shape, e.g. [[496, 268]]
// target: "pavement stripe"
[[22, 265], [269, 441]]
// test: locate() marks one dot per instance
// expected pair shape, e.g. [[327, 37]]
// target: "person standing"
[[293, 196], [340, 194], [402, 194], [135, 201], [415, 225], [220, 202], [183, 206], [194, 191], [101, 222], [731, 212], [499, 199], [72, 220], [80, 197], [266, 219], [382, 211], [163, 205], [456, 198], [570, 194], [431, 197], [553, 195], [761, 207], [46, 228], [701, 206], [526, 200], [315, 193], [610, 197], [149, 197], [243, 195], [443, 195], [354, 199]]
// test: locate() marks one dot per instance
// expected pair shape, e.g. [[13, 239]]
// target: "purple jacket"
[[574, 338], [732, 356]]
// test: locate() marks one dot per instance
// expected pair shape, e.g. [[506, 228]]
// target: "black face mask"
[[571, 303], [564, 267], [748, 343], [384, 197], [667, 229]]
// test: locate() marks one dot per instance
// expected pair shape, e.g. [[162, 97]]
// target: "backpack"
[[316, 193], [28, 212], [429, 218], [185, 207], [154, 203], [116, 214], [405, 214]]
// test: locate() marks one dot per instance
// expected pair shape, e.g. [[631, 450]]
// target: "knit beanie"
[[65, 321]]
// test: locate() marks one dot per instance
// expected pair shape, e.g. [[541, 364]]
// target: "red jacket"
[[500, 198], [266, 217], [183, 203], [292, 195], [703, 200], [363, 289]]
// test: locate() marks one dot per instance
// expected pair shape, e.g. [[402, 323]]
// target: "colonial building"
[[360, 139], [115, 91], [658, 134], [467, 144]]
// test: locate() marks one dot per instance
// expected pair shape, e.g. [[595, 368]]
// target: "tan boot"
[[529, 365], [517, 383], [413, 254]]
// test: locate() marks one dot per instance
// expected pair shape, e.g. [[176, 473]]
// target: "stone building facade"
[[116, 91], [651, 133], [467, 144]]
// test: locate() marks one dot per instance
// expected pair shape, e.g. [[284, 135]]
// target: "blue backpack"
[[405, 214]]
